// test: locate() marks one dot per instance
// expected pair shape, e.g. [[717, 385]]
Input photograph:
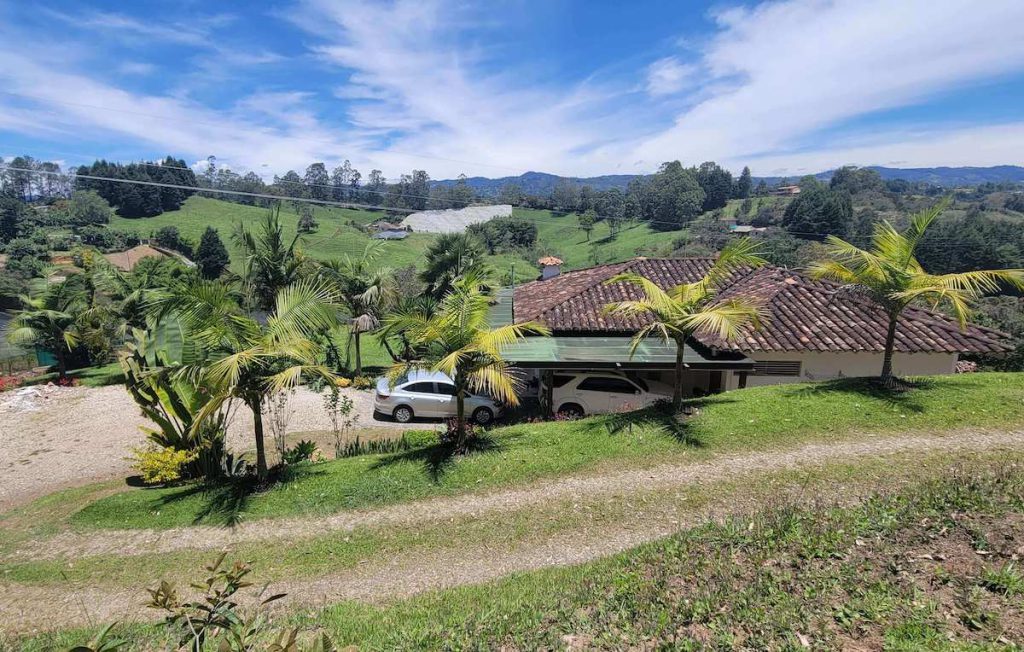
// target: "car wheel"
[[483, 416], [571, 411], [403, 414]]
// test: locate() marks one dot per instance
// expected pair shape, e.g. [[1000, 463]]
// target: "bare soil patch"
[[58, 437]]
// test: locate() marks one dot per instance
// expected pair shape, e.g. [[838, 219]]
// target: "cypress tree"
[[211, 255]]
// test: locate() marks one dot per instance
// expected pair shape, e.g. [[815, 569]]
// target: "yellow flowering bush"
[[161, 465]]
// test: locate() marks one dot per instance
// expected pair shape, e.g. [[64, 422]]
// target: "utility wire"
[[354, 206], [239, 193]]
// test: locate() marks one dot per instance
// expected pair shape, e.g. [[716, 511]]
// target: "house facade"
[[812, 330]]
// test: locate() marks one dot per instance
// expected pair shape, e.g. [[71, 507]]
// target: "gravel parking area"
[[56, 437]]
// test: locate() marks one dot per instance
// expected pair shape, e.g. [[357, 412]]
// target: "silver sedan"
[[429, 394]]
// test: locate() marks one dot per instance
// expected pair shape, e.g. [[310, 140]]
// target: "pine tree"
[[211, 256], [744, 184]]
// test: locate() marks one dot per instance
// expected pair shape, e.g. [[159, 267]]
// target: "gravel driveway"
[[53, 437]]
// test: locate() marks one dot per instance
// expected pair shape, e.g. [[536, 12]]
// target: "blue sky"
[[499, 88]]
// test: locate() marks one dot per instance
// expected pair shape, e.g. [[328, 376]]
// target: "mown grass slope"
[[750, 419], [338, 234], [901, 572], [926, 564]]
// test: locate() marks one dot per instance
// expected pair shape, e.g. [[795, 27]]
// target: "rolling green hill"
[[338, 234]]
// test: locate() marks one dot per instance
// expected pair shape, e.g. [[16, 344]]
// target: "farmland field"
[[338, 235]]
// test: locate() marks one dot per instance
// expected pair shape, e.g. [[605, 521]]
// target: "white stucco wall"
[[826, 366]]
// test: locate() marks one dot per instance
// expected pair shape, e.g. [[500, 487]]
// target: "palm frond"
[[496, 380], [726, 320], [493, 341]]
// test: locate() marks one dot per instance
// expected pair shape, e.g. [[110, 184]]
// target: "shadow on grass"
[[225, 502], [906, 397], [663, 418], [437, 458]]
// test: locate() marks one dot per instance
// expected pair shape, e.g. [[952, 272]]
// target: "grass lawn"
[[831, 577], [108, 374], [375, 357], [337, 235], [900, 571], [751, 419], [757, 203], [560, 235]]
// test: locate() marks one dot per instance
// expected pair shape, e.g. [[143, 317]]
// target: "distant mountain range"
[[541, 183]]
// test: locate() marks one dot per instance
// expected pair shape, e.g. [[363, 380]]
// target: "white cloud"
[[136, 68], [793, 68], [421, 92], [976, 146], [668, 76], [437, 100], [256, 131]]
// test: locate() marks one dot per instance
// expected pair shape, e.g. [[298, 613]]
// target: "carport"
[[654, 359]]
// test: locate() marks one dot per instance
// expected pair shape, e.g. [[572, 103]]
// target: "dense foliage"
[[211, 255], [505, 233], [818, 211], [131, 195]]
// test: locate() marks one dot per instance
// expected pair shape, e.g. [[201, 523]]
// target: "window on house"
[[777, 368]]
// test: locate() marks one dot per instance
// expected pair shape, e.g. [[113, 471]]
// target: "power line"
[[177, 186], [353, 206]]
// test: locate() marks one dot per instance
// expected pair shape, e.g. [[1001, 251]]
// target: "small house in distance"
[[786, 190], [391, 234], [128, 259]]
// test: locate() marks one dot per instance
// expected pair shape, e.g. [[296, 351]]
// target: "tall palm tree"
[[246, 360], [451, 256], [888, 274], [269, 261], [421, 306], [679, 312], [458, 341], [365, 290]]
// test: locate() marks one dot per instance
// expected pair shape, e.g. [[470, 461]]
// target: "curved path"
[[409, 573]]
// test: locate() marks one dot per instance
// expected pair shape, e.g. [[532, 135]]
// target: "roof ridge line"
[[626, 265]]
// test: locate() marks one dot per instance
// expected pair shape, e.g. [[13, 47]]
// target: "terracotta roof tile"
[[803, 314]]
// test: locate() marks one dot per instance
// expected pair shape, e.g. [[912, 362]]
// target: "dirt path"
[[660, 478], [408, 573], [52, 437]]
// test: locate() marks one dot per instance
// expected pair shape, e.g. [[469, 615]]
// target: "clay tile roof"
[[802, 314], [550, 260], [127, 260]]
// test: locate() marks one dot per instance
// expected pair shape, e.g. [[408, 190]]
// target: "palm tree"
[[451, 256], [421, 306], [51, 322], [457, 340], [680, 312], [129, 294], [366, 292], [246, 360], [269, 262], [888, 274]]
